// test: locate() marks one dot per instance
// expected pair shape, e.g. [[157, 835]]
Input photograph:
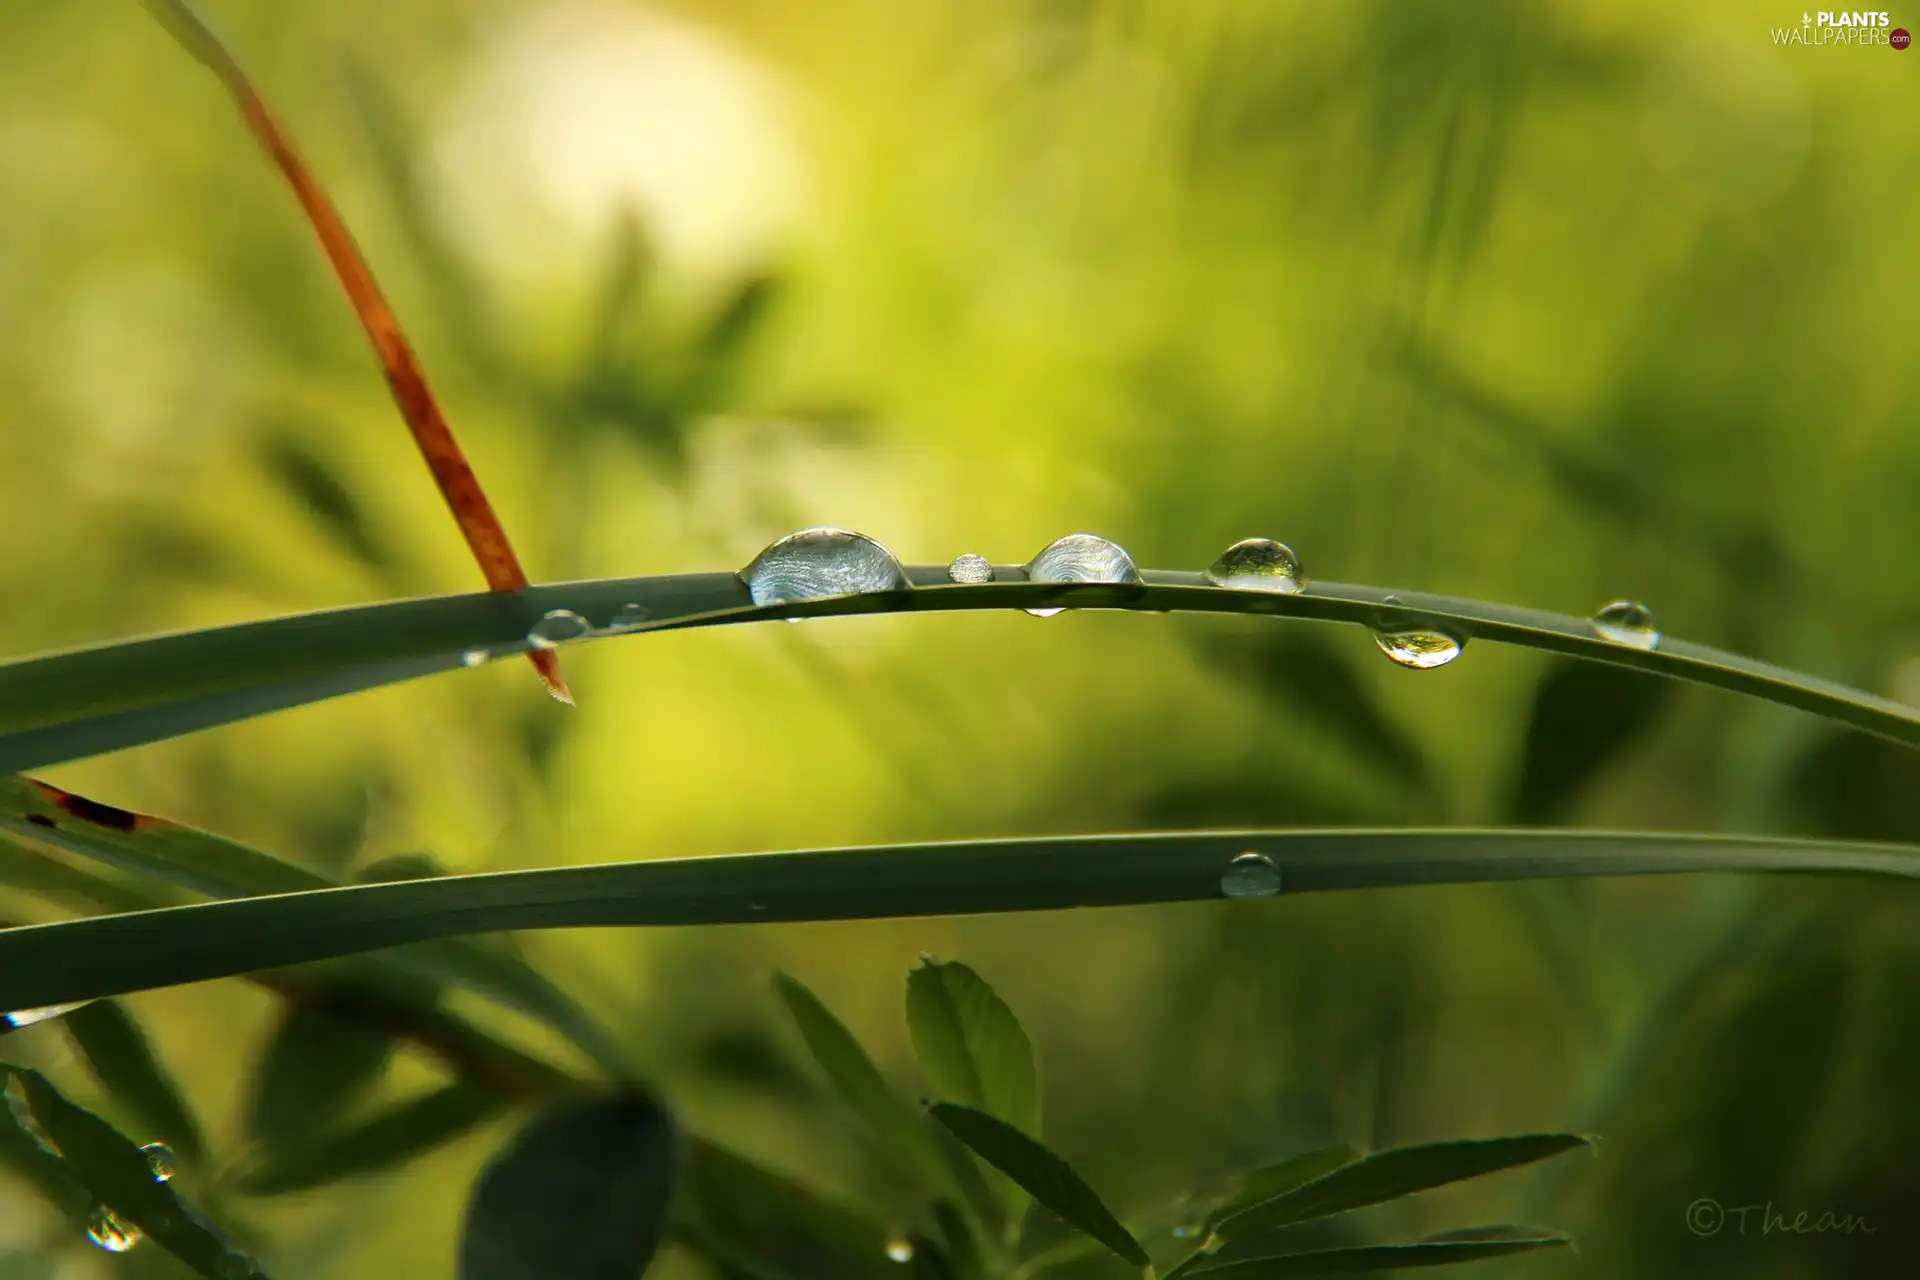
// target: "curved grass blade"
[[82, 959], [1277, 1179], [1388, 1175], [894, 1124], [159, 686], [1473, 1244], [117, 1174], [1042, 1174], [121, 1059], [202, 862], [458, 485], [581, 1193]]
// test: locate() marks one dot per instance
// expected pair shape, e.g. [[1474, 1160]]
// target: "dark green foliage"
[[1474, 1244], [581, 1193], [761, 1224], [389, 1137], [320, 1060], [122, 1060], [1585, 715]]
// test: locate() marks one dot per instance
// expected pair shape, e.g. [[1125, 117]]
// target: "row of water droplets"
[[817, 563], [563, 626]]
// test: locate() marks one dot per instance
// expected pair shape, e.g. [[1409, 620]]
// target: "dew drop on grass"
[[27, 1017], [556, 627], [1258, 564], [816, 563], [1250, 875], [110, 1231], [971, 568], [1626, 622], [1422, 650], [475, 658], [159, 1159], [628, 616], [899, 1250], [1080, 557]]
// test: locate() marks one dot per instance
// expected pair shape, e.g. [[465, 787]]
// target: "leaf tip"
[[548, 665]]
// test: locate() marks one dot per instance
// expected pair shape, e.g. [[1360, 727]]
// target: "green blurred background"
[[1543, 304]]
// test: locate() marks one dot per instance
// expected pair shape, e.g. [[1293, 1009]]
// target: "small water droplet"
[[159, 1159], [110, 1231], [971, 568], [1250, 875], [475, 657], [1626, 622], [556, 627], [27, 1017], [628, 616], [1258, 564], [816, 563], [900, 1250], [1080, 557]]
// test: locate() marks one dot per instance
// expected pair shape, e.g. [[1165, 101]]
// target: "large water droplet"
[[971, 568], [110, 1231], [27, 1017], [815, 563], [1258, 564], [1250, 875], [557, 627], [1420, 649], [1626, 622], [159, 1159], [900, 1250], [1080, 557]]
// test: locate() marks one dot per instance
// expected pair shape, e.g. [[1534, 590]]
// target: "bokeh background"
[[1538, 303]]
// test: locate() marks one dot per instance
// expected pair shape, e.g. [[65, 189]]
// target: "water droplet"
[[110, 1231], [1420, 649], [1250, 875], [816, 563], [971, 568], [900, 1250], [475, 657], [159, 1159], [1258, 564], [556, 627], [1626, 622], [629, 616], [1080, 557], [235, 1265], [27, 1017]]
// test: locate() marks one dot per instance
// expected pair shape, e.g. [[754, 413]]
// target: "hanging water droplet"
[[900, 1250], [1626, 622], [27, 1017], [110, 1231], [1421, 649], [1258, 564], [159, 1159], [1080, 557], [556, 627], [971, 568], [628, 616], [475, 657], [1250, 875], [815, 563]]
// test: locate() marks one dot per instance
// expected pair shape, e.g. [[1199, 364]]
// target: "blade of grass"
[[51, 706], [1437, 1252], [75, 960], [444, 458]]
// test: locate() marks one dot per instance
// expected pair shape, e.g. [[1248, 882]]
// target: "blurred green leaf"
[[1472, 1244], [762, 1224], [390, 1137], [115, 1171], [1850, 785], [1044, 1175], [1277, 1179], [1388, 1175], [22, 1153], [888, 1117], [317, 488], [315, 1067], [581, 1193], [1584, 716], [714, 362], [122, 1060], [972, 1047]]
